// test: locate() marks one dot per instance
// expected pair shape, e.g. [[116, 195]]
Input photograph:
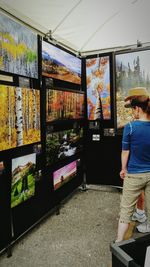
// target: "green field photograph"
[[23, 179]]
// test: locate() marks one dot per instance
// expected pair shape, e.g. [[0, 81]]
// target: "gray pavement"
[[79, 236]]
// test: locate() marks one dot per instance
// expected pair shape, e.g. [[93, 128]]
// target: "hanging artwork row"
[[41, 126]]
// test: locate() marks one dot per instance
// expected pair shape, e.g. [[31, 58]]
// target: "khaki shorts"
[[132, 188]]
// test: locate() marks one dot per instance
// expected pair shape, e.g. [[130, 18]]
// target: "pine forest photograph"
[[132, 70], [18, 48], [20, 116], [64, 105], [60, 145], [58, 64], [98, 88], [64, 174], [23, 179]]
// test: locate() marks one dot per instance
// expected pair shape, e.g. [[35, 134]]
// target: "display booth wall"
[[41, 128], [61, 123], [103, 145], [108, 78]]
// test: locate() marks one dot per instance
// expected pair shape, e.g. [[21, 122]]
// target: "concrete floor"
[[79, 236]]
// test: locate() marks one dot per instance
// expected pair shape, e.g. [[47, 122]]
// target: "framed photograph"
[[59, 64], [64, 174], [132, 70], [18, 44], [20, 116], [24, 82], [2, 167], [94, 125], [98, 88], [109, 132], [23, 179], [61, 105], [37, 148], [63, 144]]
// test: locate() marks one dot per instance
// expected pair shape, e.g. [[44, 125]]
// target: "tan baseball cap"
[[137, 91]]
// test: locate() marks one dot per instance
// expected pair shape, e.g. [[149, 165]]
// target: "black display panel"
[[20, 129], [60, 64], [23, 131], [19, 51], [132, 70], [5, 221], [103, 160], [28, 185]]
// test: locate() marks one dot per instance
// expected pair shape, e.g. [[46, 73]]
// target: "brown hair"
[[141, 101]]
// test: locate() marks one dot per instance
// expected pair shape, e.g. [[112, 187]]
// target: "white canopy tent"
[[85, 26]]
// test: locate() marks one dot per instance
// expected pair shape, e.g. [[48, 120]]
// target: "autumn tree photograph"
[[64, 105]]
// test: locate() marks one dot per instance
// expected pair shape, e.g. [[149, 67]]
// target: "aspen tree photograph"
[[132, 70], [20, 116], [23, 179], [98, 88], [18, 48], [64, 105]]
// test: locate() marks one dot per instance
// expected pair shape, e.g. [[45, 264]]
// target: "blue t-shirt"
[[136, 138]]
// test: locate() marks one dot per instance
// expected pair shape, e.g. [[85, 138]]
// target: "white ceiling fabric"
[[86, 25]]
